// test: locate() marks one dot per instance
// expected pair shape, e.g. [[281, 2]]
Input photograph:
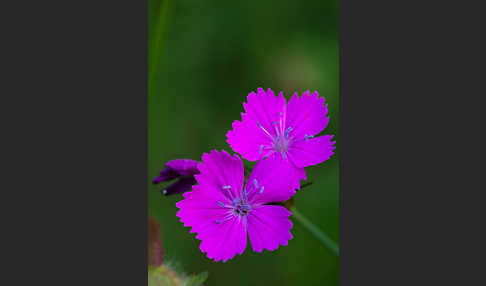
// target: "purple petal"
[[185, 167], [272, 180], [269, 227], [252, 137], [181, 186], [307, 115], [305, 153], [165, 175]]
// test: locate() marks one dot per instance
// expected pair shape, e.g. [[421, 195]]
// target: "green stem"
[[160, 31], [314, 230], [306, 185]]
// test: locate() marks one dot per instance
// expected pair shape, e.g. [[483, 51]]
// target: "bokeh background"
[[204, 58]]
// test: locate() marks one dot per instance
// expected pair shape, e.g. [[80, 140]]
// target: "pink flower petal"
[[200, 208], [246, 138], [222, 234], [223, 241], [313, 151], [265, 108], [272, 180], [269, 227], [306, 114], [221, 172], [299, 174]]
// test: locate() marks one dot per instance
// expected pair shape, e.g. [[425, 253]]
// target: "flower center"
[[240, 205], [240, 208], [281, 144], [281, 140]]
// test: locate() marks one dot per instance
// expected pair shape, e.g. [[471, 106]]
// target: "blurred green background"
[[204, 59]]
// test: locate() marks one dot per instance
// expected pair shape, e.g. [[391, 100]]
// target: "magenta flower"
[[271, 127], [222, 210], [181, 169]]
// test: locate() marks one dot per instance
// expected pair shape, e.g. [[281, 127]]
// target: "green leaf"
[[166, 276], [196, 280], [163, 276]]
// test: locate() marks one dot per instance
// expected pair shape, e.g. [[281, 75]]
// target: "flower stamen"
[[264, 130]]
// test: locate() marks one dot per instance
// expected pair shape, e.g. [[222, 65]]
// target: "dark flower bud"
[[181, 169]]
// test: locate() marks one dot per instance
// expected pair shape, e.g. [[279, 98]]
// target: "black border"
[[77, 143], [408, 205]]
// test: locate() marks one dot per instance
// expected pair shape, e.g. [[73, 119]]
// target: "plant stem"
[[314, 230], [160, 31], [306, 185]]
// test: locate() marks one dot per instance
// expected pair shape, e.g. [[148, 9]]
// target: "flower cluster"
[[222, 208]]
